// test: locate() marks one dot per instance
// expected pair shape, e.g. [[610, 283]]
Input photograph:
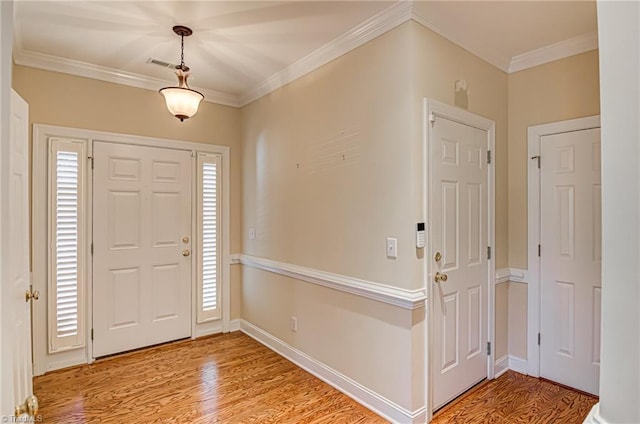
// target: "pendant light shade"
[[182, 101]]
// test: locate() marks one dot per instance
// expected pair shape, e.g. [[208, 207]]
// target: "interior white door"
[[16, 317], [570, 260], [459, 231], [141, 236]]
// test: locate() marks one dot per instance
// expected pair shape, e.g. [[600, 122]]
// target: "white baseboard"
[[361, 394], [234, 325], [501, 365], [594, 416], [518, 365]]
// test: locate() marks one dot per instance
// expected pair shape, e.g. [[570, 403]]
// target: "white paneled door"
[[17, 386], [459, 231], [570, 259], [142, 246]]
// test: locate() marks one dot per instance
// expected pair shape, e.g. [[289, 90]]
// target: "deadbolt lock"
[[185, 240], [28, 295], [438, 256]]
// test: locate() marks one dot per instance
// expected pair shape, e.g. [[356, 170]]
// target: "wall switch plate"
[[252, 233], [293, 324], [392, 248]]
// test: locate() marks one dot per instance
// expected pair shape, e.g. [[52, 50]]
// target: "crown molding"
[[103, 73], [486, 54], [373, 27], [572, 46], [388, 19]]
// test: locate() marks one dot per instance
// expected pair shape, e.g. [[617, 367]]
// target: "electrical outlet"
[[293, 324]]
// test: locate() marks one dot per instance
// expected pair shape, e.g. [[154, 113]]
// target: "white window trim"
[[201, 314], [55, 343], [43, 360]]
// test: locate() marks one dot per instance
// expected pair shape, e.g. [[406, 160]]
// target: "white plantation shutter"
[[208, 237], [66, 244]]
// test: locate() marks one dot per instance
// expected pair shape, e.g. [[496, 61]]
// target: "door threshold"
[[462, 395], [140, 349], [573, 389]]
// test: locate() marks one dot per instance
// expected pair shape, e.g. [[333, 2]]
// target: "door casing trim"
[[435, 108], [43, 362], [534, 137]]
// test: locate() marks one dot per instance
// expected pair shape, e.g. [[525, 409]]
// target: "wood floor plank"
[[233, 379], [513, 399], [229, 378]]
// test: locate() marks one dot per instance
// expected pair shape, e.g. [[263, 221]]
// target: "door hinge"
[[539, 250], [432, 119], [92, 334], [538, 158], [488, 253], [538, 339], [92, 248], [488, 348], [91, 158], [488, 156]]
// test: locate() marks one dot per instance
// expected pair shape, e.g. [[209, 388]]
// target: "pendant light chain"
[[182, 52]]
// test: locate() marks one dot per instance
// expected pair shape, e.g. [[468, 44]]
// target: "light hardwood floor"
[[222, 379], [515, 398], [233, 379]]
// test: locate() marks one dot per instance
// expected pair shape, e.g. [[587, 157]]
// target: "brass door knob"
[[186, 252], [441, 278], [28, 295], [29, 407]]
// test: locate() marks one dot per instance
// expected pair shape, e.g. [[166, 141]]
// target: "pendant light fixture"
[[182, 101]]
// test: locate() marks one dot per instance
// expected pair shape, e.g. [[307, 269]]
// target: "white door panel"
[[16, 331], [142, 281], [459, 232], [570, 258]]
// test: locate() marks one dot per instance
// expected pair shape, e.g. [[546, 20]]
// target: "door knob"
[[186, 252], [29, 407], [28, 295], [441, 278]]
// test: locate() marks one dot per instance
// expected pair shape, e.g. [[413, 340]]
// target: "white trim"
[[44, 362], [361, 394], [517, 364], [571, 47], [594, 416], [502, 365], [511, 274], [103, 73], [388, 19], [534, 135], [234, 259], [408, 299], [235, 324], [433, 108]]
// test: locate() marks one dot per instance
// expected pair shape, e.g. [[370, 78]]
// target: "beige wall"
[[325, 181], [438, 63], [69, 101], [556, 91]]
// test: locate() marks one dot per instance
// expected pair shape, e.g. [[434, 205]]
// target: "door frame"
[[43, 361], [433, 108], [534, 137]]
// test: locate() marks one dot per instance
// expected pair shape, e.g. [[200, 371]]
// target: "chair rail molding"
[[404, 298]]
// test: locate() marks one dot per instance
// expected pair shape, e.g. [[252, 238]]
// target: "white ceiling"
[[242, 49]]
